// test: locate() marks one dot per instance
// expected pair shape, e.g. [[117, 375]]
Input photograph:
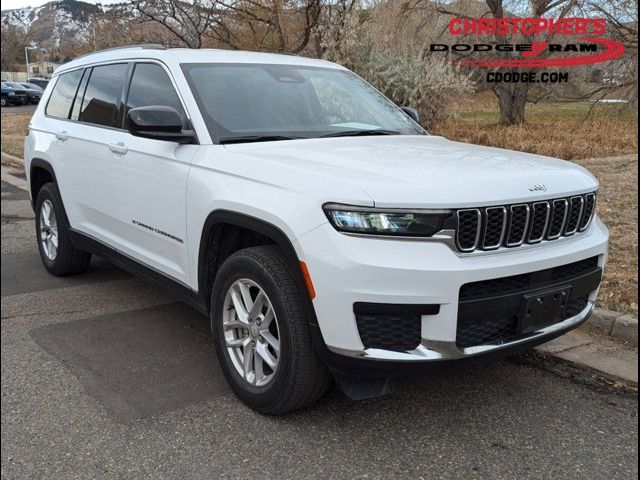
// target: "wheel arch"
[[40, 173], [212, 251]]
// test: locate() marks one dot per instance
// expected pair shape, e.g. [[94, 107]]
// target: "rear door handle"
[[119, 148], [62, 136]]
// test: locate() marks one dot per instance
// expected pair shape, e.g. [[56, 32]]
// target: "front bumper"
[[346, 270], [17, 99]]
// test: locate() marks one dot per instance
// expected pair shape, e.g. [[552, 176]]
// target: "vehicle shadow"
[[145, 362]]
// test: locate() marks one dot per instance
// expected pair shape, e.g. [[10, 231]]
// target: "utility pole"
[[26, 56]]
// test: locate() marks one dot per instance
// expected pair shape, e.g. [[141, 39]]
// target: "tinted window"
[[151, 85], [102, 97], [63, 94]]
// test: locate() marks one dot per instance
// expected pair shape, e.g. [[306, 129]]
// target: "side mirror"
[[413, 114], [158, 122]]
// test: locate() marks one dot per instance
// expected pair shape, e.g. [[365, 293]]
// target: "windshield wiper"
[[361, 133], [257, 138]]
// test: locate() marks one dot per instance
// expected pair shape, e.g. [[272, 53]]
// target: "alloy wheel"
[[251, 332], [49, 230]]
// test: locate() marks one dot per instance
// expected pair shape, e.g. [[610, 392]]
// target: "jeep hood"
[[419, 171]]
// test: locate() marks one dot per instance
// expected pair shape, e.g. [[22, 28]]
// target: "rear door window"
[[101, 102], [64, 91]]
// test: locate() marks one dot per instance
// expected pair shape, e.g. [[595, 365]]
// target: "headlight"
[[381, 221], [11, 94]]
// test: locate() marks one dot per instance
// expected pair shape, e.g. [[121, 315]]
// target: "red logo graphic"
[[534, 54], [612, 51]]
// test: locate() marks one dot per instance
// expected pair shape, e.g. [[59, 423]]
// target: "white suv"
[[320, 228]]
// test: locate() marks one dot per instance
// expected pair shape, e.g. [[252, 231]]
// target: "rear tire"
[[293, 377], [52, 234]]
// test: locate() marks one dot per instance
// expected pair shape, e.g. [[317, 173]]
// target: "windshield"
[[259, 102], [15, 86]]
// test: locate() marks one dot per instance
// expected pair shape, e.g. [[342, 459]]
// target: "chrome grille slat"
[[517, 227], [539, 222], [573, 222], [559, 214], [497, 226], [588, 211], [469, 238]]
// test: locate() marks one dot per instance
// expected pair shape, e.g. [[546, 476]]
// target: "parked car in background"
[[34, 92], [12, 95], [41, 82], [32, 95]]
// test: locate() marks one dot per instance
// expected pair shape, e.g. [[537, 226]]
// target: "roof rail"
[[145, 46]]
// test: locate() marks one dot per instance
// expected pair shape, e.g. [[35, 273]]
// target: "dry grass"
[[618, 208], [14, 128], [557, 129]]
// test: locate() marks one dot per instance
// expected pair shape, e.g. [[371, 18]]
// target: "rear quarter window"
[[63, 94]]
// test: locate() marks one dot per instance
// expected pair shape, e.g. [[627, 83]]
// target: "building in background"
[[42, 68]]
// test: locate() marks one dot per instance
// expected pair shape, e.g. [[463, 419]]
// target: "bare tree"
[[277, 25], [13, 42], [186, 21]]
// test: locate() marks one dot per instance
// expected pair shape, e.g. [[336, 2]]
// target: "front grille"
[[510, 226], [488, 309], [388, 332]]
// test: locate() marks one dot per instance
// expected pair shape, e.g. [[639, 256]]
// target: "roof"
[[176, 56]]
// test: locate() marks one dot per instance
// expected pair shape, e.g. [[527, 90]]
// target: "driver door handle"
[[62, 136], [120, 148]]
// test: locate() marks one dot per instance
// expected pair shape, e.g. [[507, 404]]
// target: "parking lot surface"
[[105, 376]]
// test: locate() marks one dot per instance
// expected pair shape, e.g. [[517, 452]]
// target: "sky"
[[13, 4]]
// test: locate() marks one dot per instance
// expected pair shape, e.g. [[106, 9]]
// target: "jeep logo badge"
[[538, 187]]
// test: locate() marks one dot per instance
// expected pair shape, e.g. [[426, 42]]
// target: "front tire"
[[52, 233], [261, 333]]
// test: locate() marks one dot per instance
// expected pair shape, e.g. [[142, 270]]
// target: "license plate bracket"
[[543, 308]]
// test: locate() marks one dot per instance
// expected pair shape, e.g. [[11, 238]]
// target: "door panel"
[[148, 188]]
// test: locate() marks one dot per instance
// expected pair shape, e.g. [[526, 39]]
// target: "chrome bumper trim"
[[433, 350]]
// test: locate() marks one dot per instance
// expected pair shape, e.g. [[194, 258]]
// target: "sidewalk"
[[614, 360]]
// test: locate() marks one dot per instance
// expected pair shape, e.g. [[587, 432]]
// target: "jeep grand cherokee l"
[[322, 231]]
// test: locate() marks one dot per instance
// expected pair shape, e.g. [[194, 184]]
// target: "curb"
[[615, 324], [605, 357], [11, 160]]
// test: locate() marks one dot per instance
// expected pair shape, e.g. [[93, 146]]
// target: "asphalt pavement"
[[106, 376]]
